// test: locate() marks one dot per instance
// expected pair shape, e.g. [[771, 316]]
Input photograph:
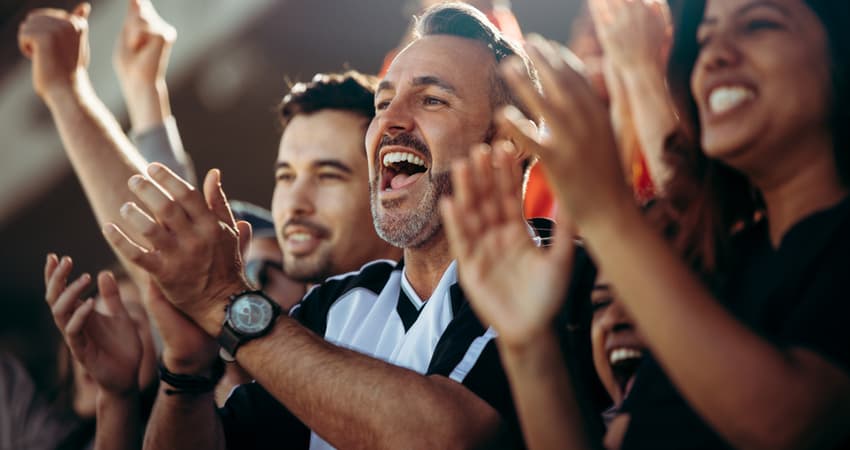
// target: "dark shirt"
[[794, 296]]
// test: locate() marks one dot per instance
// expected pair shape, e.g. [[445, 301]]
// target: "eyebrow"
[[749, 7], [318, 164], [425, 80]]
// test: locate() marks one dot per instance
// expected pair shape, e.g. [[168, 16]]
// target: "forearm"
[[543, 394], [354, 401], [704, 349], [653, 116], [119, 425], [148, 104], [184, 421], [102, 156]]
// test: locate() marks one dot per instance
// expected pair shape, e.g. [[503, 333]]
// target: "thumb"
[[216, 200], [82, 10], [245, 235]]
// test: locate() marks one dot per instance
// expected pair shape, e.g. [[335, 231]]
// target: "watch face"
[[250, 314]]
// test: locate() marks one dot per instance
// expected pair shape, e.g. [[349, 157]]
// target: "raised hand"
[[100, 333], [195, 244], [633, 33], [577, 149], [141, 58], [57, 43], [513, 285]]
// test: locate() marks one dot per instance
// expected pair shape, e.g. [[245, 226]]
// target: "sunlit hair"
[[462, 20], [706, 200], [350, 91]]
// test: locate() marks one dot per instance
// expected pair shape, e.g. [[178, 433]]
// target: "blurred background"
[[229, 68]]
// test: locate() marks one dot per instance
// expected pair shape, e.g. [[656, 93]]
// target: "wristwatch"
[[249, 315]]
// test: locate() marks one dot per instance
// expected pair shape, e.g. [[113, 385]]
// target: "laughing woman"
[[745, 315]]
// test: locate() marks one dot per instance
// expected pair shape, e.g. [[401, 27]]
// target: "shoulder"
[[373, 276]]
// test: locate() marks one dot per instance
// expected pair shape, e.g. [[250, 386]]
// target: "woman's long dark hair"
[[706, 201]]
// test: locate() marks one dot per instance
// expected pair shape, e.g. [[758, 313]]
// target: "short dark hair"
[[462, 20], [350, 91]]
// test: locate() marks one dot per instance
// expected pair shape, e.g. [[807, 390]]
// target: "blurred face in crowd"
[[321, 198], [761, 83], [264, 268], [617, 346], [85, 389], [431, 107]]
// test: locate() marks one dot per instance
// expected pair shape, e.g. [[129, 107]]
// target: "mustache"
[[405, 140], [317, 229]]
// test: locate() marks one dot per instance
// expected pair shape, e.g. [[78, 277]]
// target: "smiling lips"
[[301, 239], [723, 99], [401, 168]]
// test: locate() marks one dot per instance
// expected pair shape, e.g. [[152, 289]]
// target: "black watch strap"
[[229, 340]]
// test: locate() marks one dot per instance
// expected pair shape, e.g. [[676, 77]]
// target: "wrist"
[[211, 318], [147, 103], [530, 354], [108, 397], [73, 89]]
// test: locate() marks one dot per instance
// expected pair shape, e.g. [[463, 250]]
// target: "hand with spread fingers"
[[57, 43], [578, 149], [195, 242], [633, 32], [100, 333], [518, 287]]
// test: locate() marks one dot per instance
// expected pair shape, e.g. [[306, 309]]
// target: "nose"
[[397, 118], [719, 53], [617, 319], [299, 198]]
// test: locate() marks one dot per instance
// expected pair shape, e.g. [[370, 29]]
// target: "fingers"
[[108, 289], [73, 331], [483, 186], [216, 200], [129, 250], [245, 235], [137, 220], [49, 267], [57, 280], [68, 300], [454, 211], [82, 10], [515, 75]]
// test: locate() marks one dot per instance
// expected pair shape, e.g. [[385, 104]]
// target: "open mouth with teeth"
[[624, 364], [401, 169]]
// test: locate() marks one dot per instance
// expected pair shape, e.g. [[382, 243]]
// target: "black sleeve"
[[819, 321], [254, 420]]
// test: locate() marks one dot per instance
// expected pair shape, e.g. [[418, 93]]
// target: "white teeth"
[[300, 237], [622, 354], [725, 98], [396, 157]]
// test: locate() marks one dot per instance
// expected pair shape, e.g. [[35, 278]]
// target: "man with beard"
[[389, 356]]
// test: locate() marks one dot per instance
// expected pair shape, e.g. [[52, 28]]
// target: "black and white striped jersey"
[[376, 312]]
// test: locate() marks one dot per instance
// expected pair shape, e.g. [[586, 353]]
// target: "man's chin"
[[310, 269]]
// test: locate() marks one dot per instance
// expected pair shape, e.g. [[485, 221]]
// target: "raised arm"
[[140, 59], [671, 307], [636, 38], [349, 399], [517, 288], [103, 158]]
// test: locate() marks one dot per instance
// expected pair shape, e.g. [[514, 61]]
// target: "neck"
[[803, 188], [425, 265]]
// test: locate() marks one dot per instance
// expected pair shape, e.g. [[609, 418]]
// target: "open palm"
[[513, 285], [100, 333]]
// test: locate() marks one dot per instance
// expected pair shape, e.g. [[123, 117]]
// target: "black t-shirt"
[[794, 296], [465, 352]]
